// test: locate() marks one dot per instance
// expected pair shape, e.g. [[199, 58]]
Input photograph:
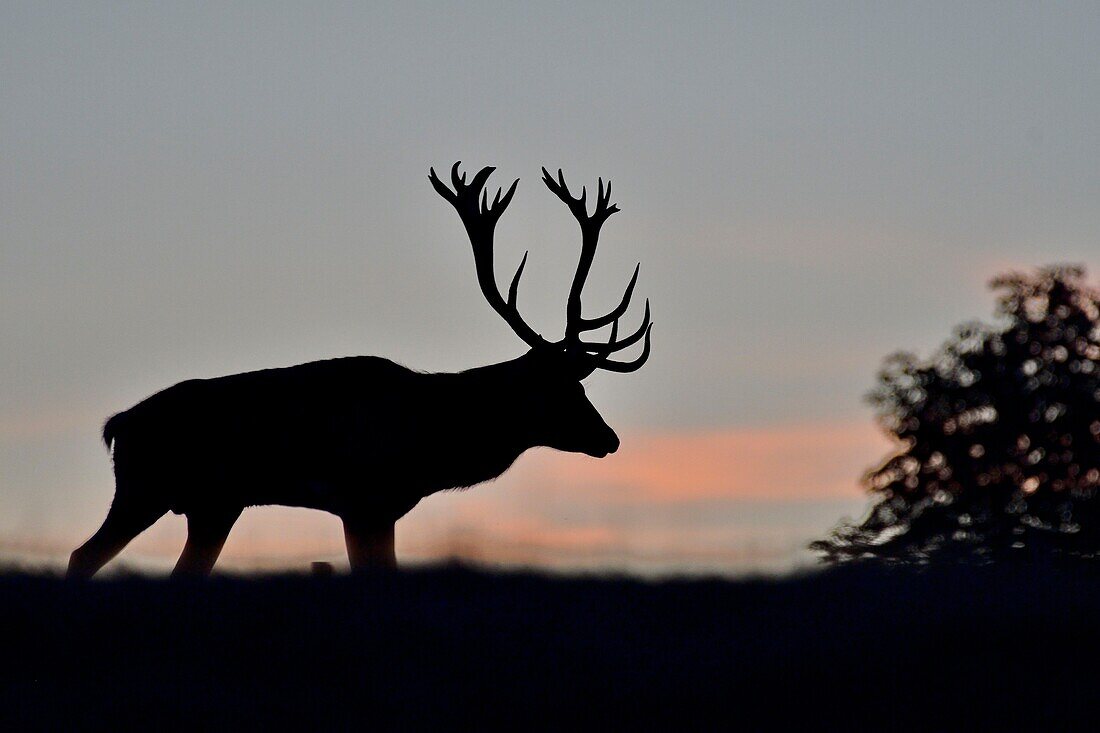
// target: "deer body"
[[347, 436], [361, 437]]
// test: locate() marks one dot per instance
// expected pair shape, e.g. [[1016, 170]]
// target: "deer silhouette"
[[363, 437]]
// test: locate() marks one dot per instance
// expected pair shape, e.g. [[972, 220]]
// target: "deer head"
[[552, 370]]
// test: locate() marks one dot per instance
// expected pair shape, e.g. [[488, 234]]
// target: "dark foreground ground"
[[455, 649]]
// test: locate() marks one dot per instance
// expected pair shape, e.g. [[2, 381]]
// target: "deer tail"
[[110, 429]]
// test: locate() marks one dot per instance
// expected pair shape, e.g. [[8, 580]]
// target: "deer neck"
[[498, 394]]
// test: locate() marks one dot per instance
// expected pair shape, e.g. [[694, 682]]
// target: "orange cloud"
[[808, 461]]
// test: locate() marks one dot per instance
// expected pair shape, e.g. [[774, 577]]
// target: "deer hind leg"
[[206, 534], [370, 544], [128, 517]]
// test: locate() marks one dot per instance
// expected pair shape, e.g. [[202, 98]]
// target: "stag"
[[363, 437]]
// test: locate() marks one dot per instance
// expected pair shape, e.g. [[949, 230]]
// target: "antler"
[[480, 219], [597, 354], [471, 201]]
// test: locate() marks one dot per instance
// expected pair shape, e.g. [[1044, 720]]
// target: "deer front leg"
[[370, 544]]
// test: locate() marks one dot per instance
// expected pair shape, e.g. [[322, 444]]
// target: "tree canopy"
[[998, 435]]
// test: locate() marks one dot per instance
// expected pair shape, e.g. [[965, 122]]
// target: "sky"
[[197, 189]]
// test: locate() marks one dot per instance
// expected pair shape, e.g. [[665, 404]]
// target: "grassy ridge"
[[453, 648]]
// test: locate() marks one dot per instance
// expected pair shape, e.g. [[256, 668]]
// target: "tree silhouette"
[[999, 436]]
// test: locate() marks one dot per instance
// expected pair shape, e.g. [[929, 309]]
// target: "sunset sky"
[[192, 190]]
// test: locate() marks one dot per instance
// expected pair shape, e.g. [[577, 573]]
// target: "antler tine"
[[561, 190], [590, 324], [480, 222], [440, 187], [455, 179], [628, 366], [507, 197], [481, 177], [513, 289], [499, 204], [613, 345]]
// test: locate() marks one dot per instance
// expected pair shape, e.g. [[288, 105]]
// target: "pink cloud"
[[554, 509]]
